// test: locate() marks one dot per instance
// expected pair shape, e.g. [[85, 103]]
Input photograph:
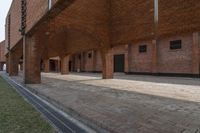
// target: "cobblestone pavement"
[[128, 103]]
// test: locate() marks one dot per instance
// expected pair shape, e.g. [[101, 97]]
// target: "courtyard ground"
[[128, 103], [17, 116]]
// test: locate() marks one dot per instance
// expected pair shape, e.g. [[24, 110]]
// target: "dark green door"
[[119, 63]]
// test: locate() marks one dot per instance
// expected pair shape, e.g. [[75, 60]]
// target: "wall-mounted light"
[[49, 4], [47, 33], [155, 11]]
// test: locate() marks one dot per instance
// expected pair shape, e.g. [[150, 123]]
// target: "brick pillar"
[[94, 58], [31, 60], [46, 66], [195, 54], [7, 64], [107, 64], [13, 64], [127, 59], [1, 66], [82, 61], [65, 65], [154, 57], [59, 65]]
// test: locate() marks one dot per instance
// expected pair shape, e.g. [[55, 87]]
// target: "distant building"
[[2, 56]]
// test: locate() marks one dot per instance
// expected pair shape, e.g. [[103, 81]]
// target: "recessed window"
[[90, 55], [143, 48], [177, 44]]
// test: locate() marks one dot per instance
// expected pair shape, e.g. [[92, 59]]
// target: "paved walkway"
[[128, 103]]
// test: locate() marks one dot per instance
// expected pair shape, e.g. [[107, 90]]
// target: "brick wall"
[[15, 23], [175, 61], [141, 62], [98, 61], [131, 20], [177, 16], [84, 27], [89, 61], [169, 61], [35, 10], [2, 52], [76, 61]]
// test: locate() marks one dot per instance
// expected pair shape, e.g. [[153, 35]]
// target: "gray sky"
[[4, 7]]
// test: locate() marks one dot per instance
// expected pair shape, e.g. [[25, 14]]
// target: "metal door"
[[119, 63]]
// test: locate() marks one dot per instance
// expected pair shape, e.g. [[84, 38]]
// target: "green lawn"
[[17, 116]]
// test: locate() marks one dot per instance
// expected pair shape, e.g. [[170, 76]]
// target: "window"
[[177, 44], [90, 55], [143, 48]]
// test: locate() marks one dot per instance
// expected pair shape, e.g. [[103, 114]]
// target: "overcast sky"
[[4, 7]]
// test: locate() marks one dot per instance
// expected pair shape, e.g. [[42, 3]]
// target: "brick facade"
[[168, 61], [90, 36], [2, 52]]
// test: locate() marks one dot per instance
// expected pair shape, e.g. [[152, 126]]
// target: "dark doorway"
[[70, 66], [52, 65], [119, 63]]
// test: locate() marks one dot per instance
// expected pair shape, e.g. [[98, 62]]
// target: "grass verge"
[[17, 116]]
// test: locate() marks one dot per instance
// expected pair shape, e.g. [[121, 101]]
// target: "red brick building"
[[132, 36]]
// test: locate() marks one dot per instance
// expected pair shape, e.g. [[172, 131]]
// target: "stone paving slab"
[[128, 103]]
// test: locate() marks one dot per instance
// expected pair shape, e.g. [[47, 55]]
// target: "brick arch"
[[87, 31], [102, 45], [62, 36], [15, 55]]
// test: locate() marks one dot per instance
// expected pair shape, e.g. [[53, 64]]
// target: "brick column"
[[46, 66], [127, 59], [154, 57], [65, 65], [31, 60], [7, 64], [83, 61], [13, 64], [195, 54], [107, 64], [59, 66], [1, 66], [94, 58]]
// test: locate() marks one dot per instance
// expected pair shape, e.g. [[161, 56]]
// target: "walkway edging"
[[72, 115]]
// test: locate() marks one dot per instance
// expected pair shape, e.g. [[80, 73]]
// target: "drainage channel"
[[58, 119]]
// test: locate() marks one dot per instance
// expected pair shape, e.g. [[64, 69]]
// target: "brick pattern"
[[108, 26], [32, 60], [124, 21], [35, 11], [178, 16], [175, 61], [65, 65], [2, 52], [131, 20], [163, 61], [15, 24]]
